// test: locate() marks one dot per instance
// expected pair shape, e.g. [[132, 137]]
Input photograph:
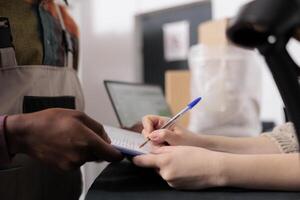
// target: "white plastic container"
[[229, 80]]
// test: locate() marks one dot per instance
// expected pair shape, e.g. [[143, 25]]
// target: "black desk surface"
[[125, 181]]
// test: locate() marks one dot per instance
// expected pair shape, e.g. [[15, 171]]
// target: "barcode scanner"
[[268, 25]]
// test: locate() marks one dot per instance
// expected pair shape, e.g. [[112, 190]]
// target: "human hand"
[[175, 135], [185, 167], [60, 137]]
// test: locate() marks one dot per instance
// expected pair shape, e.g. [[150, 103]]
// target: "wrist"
[[4, 154], [211, 142], [231, 169], [202, 141], [221, 176], [14, 133]]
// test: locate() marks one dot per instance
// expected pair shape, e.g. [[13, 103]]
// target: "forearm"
[[275, 172], [249, 145], [4, 155]]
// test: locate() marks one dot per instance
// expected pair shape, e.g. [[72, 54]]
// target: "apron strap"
[[7, 51], [7, 57], [67, 39]]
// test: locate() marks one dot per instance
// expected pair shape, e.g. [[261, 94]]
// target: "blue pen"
[[176, 117]]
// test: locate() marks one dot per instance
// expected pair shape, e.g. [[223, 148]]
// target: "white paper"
[[176, 36], [127, 142]]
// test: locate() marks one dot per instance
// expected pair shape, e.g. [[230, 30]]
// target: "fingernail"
[[154, 138]]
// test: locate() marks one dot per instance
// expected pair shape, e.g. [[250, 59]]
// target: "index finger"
[[152, 122], [148, 161]]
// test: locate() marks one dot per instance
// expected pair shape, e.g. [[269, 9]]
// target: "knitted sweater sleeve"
[[284, 136]]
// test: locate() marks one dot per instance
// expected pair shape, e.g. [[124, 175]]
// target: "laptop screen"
[[132, 101]]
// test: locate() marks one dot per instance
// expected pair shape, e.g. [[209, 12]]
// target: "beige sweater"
[[285, 137]]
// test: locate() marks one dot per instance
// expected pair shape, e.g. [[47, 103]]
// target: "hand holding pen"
[[169, 123]]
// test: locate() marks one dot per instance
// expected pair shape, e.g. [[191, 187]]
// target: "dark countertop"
[[125, 181]]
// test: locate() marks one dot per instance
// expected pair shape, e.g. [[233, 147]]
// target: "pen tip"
[[144, 143]]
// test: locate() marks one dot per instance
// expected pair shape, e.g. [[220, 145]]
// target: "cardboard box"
[[213, 32], [177, 87]]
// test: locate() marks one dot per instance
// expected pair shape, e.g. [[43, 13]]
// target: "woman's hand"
[[185, 167], [175, 135]]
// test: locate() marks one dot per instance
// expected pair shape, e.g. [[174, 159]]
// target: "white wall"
[[222, 8], [150, 5], [107, 44]]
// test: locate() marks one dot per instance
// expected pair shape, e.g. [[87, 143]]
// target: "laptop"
[[132, 101]]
